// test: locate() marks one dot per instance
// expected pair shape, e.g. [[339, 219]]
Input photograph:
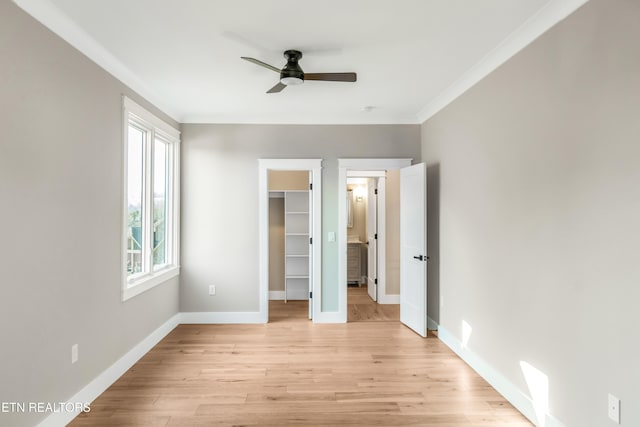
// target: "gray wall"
[[60, 222], [220, 201], [539, 213]]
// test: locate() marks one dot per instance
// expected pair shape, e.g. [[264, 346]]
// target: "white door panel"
[[413, 248]]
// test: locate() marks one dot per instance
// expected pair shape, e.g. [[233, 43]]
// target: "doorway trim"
[[361, 165], [314, 166]]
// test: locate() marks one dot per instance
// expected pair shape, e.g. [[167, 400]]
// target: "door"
[[310, 246], [372, 238], [413, 248]]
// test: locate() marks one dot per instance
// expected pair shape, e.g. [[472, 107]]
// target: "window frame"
[[155, 128]]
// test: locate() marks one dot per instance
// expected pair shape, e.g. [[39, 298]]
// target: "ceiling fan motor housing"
[[292, 74]]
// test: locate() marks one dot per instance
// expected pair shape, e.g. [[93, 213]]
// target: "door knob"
[[418, 257]]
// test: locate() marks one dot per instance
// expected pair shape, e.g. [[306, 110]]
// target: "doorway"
[[290, 188], [412, 237], [289, 244], [372, 230], [367, 168]]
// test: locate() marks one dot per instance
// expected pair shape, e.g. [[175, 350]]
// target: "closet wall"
[[276, 244]]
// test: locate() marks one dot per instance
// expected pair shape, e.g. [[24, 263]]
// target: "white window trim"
[[135, 285]]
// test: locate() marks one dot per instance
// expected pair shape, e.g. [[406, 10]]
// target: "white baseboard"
[[293, 295], [276, 295], [330, 317], [431, 324], [506, 388], [250, 317], [298, 294], [103, 381], [389, 299], [223, 317]]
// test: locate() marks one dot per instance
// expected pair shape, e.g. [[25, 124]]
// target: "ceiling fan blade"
[[262, 64], [331, 77], [277, 88]]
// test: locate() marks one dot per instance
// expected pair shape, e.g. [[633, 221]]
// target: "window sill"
[[142, 284]]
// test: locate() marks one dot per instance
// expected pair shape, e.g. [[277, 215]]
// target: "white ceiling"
[[412, 56]]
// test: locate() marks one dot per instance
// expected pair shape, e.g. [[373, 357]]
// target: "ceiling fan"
[[292, 74]]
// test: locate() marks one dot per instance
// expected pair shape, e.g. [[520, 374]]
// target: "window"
[[151, 166]]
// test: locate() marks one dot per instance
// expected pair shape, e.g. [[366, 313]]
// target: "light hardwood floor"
[[361, 308], [293, 372]]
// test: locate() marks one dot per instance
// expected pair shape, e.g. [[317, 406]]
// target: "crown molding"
[[59, 23], [548, 16], [302, 119]]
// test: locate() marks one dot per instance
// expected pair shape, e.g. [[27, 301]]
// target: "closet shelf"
[[296, 248]]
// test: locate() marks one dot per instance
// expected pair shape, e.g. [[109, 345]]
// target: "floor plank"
[[294, 372]]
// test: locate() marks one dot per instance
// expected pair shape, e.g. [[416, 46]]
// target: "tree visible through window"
[[160, 204], [135, 185]]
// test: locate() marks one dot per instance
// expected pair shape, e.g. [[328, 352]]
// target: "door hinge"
[[375, 281], [310, 295], [375, 191], [311, 240], [311, 186], [375, 236]]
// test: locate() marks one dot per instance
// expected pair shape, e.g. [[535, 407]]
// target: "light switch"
[[74, 353], [332, 236]]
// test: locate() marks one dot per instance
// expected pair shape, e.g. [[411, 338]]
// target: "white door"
[[310, 246], [372, 238], [413, 248]]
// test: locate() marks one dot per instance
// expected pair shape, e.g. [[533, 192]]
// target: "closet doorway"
[[289, 212], [289, 242]]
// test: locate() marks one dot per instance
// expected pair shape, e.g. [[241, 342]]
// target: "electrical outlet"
[[74, 353], [212, 289], [614, 408]]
